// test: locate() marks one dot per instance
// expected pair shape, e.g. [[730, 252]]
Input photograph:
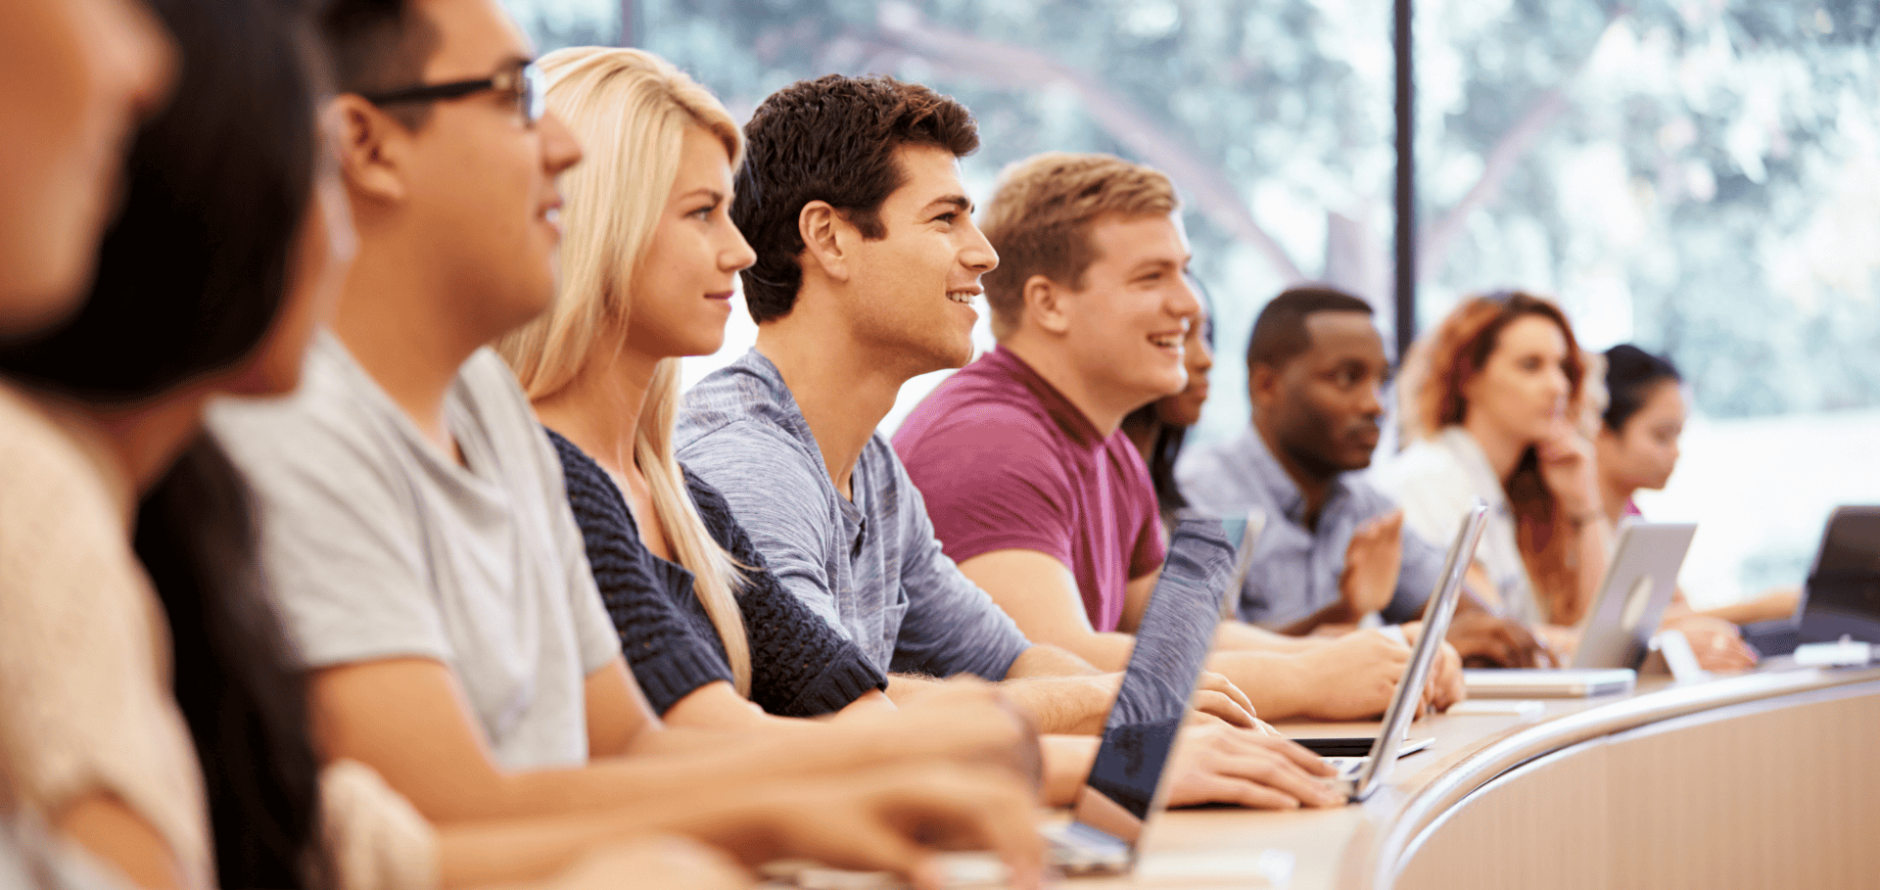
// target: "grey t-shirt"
[[871, 567], [378, 546]]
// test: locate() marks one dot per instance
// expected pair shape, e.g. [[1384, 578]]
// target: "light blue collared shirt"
[[1296, 570]]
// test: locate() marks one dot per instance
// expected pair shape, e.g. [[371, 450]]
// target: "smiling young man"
[[1334, 548], [867, 264], [1033, 487]]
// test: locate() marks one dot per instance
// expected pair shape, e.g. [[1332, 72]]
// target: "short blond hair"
[[630, 110], [1039, 220]]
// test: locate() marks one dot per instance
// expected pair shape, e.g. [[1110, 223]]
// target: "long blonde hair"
[[630, 110]]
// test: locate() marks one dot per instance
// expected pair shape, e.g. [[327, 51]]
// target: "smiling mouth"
[[1167, 341], [963, 297]]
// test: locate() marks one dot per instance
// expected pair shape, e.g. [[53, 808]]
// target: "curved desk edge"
[[1377, 864]]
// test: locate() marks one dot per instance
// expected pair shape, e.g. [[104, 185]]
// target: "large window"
[[1701, 177]]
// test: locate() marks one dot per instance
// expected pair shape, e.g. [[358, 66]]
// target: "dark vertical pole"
[[1406, 183]]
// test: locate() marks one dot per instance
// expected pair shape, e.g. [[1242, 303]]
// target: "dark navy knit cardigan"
[[800, 666]]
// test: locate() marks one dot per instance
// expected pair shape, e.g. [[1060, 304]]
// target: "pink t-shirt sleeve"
[[991, 485]]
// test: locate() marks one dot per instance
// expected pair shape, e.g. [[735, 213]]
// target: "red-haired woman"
[[1490, 399]]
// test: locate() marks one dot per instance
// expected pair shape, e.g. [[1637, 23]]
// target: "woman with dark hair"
[[1637, 446], [1637, 442], [227, 255], [1159, 428], [190, 281], [1491, 395]]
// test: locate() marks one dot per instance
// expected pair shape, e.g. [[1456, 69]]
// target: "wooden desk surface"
[[1370, 845]]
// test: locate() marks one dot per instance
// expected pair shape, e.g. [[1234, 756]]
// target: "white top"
[[85, 702], [377, 545], [1434, 480]]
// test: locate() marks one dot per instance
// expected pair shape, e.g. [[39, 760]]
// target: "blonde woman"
[[648, 263]]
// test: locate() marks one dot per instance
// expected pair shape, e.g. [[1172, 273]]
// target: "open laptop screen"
[[1172, 640]]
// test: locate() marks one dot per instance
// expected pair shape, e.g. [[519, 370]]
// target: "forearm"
[[1770, 606], [1067, 763], [1238, 636], [725, 763], [109, 829], [1051, 661], [872, 702], [1335, 613], [485, 853], [1273, 681], [1595, 549]]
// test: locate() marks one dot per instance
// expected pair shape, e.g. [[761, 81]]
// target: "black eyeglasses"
[[522, 82]]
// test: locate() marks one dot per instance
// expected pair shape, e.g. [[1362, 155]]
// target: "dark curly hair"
[[831, 139]]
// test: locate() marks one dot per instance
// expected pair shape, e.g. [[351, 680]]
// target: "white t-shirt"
[[1434, 480], [377, 546]]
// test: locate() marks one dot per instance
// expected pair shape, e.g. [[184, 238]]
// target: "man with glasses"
[[417, 538]]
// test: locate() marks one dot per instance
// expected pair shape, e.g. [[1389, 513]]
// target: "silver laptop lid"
[[1436, 615], [1640, 582], [1172, 640]]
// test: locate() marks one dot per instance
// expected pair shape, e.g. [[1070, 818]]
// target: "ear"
[[1262, 384], [1047, 304], [827, 239], [373, 148]]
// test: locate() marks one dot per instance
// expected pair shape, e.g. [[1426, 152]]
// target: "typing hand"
[[1372, 561], [1223, 764], [894, 819], [1445, 686], [1717, 643], [659, 861], [1352, 677], [963, 720], [1218, 700], [1485, 640]]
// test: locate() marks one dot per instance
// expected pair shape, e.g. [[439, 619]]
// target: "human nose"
[[1201, 357], [979, 254], [137, 58], [1183, 302], [737, 254], [560, 148], [1373, 400]]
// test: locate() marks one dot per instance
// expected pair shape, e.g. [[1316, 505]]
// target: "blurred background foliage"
[[1701, 177]]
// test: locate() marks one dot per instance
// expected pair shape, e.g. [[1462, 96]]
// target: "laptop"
[[1125, 787], [1842, 593], [1359, 777], [1640, 582], [1173, 639]]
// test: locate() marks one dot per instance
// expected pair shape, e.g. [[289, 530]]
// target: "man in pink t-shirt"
[[1066, 489], [1031, 486]]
